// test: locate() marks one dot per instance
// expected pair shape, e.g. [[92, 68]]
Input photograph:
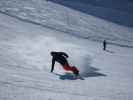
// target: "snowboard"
[[72, 76], [69, 76]]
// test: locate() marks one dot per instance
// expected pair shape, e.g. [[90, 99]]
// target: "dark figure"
[[104, 45], [61, 57]]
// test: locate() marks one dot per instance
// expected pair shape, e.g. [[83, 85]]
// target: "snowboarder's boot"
[[75, 71]]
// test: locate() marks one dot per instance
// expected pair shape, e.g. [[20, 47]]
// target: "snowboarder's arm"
[[64, 54], [53, 62]]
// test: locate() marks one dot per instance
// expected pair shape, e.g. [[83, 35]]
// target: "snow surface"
[[25, 61], [97, 23]]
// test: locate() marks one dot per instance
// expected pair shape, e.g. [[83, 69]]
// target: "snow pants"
[[71, 68]]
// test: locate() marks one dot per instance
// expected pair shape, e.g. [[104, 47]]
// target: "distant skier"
[[61, 57], [104, 45]]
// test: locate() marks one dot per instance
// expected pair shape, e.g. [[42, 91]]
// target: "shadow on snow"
[[110, 12]]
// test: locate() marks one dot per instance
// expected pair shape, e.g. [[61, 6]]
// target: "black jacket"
[[60, 57]]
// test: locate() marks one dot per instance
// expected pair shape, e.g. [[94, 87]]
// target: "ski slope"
[[95, 19], [25, 59]]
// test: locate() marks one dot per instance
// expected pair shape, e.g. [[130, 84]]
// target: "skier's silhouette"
[[104, 45], [61, 57]]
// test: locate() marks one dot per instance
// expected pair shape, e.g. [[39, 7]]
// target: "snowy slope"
[[90, 20], [25, 65], [25, 61]]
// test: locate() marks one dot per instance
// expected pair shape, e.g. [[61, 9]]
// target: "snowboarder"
[[61, 57], [104, 45]]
